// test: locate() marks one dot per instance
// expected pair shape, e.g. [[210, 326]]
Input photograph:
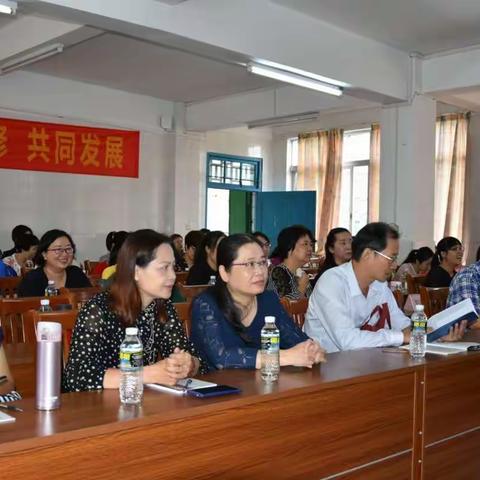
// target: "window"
[[355, 177], [231, 183], [354, 189], [227, 171]]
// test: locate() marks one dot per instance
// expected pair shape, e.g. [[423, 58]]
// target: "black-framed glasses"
[[250, 266], [59, 251], [265, 244]]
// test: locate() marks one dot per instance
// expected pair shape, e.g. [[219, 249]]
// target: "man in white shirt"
[[352, 306]]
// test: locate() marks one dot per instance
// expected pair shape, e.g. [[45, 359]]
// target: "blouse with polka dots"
[[98, 334]]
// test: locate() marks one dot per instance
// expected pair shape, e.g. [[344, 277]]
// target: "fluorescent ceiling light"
[[8, 6], [284, 120], [31, 57], [303, 73], [294, 78]]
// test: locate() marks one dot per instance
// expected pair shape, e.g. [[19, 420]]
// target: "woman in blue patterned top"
[[227, 318]]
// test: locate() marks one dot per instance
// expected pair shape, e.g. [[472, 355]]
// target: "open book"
[[441, 323]]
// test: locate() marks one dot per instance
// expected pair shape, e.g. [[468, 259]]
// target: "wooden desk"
[[364, 415]]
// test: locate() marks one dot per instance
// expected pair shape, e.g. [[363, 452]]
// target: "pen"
[[188, 382], [11, 407]]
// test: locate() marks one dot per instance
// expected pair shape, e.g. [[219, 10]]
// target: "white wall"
[[87, 206]]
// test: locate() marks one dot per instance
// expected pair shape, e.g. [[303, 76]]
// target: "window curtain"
[[450, 164], [320, 169], [374, 175]]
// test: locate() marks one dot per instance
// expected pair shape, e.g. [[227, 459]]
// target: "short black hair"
[[193, 239], [288, 238], [25, 242], [174, 236], [374, 236], [262, 235], [20, 230]]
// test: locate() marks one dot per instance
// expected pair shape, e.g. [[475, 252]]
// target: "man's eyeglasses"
[[250, 266], [265, 244], [390, 259], [59, 251]]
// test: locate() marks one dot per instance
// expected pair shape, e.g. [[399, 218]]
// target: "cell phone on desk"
[[216, 391]]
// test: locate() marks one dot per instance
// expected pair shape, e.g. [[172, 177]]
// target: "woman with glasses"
[[294, 248], [55, 255], [264, 242], [446, 262], [227, 318]]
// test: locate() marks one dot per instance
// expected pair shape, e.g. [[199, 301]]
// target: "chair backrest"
[[89, 266], [67, 318], [13, 309], [414, 282], [182, 277], [184, 311], [191, 291], [79, 296], [434, 300], [400, 298], [297, 309], [8, 286]]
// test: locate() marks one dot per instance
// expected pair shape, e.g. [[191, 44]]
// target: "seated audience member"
[[338, 250], [177, 241], [205, 265], [447, 259], [7, 389], [352, 306], [193, 239], [418, 262], [294, 248], [17, 232], [264, 242], [55, 254], [109, 244], [466, 284], [112, 261], [6, 271], [227, 318], [25, 251], [138, 297]]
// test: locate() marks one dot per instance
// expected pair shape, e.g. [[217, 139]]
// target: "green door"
[[240, 212]]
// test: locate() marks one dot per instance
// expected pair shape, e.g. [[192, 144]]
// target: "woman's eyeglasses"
[[250, 266], [59, 251]]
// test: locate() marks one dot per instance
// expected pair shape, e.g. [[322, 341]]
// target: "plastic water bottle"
[[212, 280], [51, 291], [131, 366], [270, 353], [418, 338], [45, 305]]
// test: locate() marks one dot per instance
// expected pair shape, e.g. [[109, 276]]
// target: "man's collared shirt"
[[466, 284], [338, 309]]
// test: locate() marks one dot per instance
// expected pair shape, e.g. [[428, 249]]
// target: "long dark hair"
[[419, 255], [444, 245], [47, 239], [138, 250], [227, 253], [210, 240], [288, 238], [116, 245], [330, 243]]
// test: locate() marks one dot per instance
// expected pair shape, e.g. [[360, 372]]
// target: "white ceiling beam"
[[457, 70], [250, 29]]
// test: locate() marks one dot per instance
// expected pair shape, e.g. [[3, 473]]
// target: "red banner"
[[51, 147]]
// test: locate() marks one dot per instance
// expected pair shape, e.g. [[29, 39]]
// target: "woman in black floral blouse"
[[138, 297]]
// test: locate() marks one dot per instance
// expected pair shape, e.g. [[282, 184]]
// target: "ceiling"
[[145, 68], [424, 26]]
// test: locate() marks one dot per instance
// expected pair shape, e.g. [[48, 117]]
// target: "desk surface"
[[356, 413]]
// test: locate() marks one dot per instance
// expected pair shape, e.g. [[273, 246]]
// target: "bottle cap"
[[51, 282], [419, 308], [44, 301], [269, 319], [131, 331], [212, 277]]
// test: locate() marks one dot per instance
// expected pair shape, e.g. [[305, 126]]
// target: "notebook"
[[445, 348], [182, 386]]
